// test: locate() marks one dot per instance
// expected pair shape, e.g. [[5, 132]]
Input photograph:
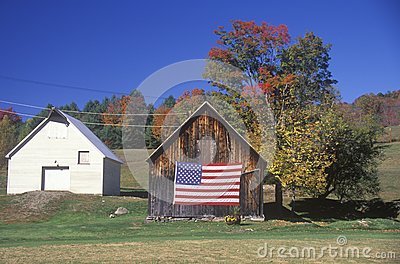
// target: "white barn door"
[[56, 179]]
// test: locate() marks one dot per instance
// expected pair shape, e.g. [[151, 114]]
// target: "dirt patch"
[[32, 206]]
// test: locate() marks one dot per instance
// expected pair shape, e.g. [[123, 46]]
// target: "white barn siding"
[[25, 167], [54, 145], [111, 179]]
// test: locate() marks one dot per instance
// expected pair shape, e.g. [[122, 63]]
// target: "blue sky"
[[115, 45]]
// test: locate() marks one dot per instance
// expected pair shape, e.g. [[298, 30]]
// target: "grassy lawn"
[[196, 251], [77, 228], [133, 159]]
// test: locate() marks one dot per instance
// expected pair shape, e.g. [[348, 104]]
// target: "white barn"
[[61, 153]]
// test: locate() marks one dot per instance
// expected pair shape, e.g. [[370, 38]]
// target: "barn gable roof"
[[61, 117], [213, 113]]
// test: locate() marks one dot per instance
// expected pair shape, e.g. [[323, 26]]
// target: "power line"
[[122, 125], [60, 85], [88, 123], [71, 86], [25, 105], [21, 114], [89, 113]]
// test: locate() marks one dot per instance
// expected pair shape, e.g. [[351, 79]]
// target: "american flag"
[[211, 184]]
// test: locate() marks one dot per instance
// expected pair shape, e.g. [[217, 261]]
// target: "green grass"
[[77, 228], [134, 167], [84, 219], [389, 172], [80, 221]]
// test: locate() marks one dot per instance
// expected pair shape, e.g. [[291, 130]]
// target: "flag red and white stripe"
[[219, 185]]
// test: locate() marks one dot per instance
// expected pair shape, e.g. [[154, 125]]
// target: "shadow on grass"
[[329, 209], [140, 193], [275, 211]]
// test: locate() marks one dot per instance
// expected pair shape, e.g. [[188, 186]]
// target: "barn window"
[[83, 157], [57, 130]]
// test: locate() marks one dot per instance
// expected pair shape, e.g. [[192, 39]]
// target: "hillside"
[[390, 134], [389, 172]]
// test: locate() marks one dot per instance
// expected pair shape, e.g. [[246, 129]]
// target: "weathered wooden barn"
[[62, 154], [205, 137]]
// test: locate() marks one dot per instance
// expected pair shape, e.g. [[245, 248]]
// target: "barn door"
[[56, 179], [250, 193], [206, 150]]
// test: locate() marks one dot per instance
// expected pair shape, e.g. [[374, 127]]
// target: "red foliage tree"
[[115, 111], [12, 116], [249, 46]]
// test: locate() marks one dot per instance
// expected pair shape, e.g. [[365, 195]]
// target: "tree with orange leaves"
[[295, 81], [171, 113], [116, 110], [161, 120], [249, 46], [126, 121], [158, 121]]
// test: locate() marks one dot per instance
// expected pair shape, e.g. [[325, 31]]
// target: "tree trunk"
[[293, 199], [326, 194], [278, 194]]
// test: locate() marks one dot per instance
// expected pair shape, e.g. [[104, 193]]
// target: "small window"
[[83, 157], [57, 130]]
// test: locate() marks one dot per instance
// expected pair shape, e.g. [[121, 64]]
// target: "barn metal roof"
[[59, 116], [204, 106], [92, 138]]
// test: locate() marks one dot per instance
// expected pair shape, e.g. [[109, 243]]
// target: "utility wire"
[[21, 114], [88, 123], [83, 112], [25, 105], [60, 85], [122, 125], [70, 86]]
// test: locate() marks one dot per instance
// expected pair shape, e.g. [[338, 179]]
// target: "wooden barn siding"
[[229, 149]]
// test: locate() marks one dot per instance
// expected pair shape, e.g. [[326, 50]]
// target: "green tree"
[[134, 122], [306, 148], [298, 86], [8, 139], [169, 101], [308, 59], [354, 172], [71, 109], [31, 123], [97, 108], [150, 139], [321, 153]]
